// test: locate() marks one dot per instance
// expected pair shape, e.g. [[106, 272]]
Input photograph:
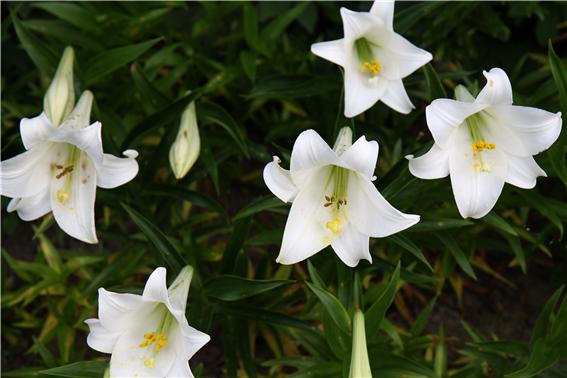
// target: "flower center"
[[368, 65], [158, 339], [66, 171], [479, 143], [337, 200]]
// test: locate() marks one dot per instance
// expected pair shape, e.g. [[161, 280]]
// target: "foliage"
[[248, 68]]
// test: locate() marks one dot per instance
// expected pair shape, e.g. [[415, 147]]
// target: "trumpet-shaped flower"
[[334, 200], [375, 59], [484, 142], [187, 146], [147, 335], [60, 170]]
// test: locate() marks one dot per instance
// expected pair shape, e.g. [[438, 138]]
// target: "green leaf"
[[248, 63], [516, 246], [235, 244], [83, 369], [451, 245], [434, 84], [428, 224], [275, 28], [409, 246], [422, 319], [147, 90], [497, 221], [557, 153], [41, 55], [333, 306], [108, 61], [260, 204], [194, 197], [293, 86], [234, 288], [74, 14], [166, 250], [377, 311], [209, 112], [250, 25]]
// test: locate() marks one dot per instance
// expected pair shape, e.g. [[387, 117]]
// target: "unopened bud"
[[187, 146], [359, 363], [60, 96]]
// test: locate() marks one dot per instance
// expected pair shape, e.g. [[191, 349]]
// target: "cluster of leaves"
[[256, 86]]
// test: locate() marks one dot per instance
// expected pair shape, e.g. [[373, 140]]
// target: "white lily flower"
[[59, 99], [334, 201], [148, 335], [187, 146], [61, 169], [484, 142], [359, 363], [375, 59]]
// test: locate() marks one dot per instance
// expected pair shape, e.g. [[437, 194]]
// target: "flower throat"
[[369, 65]]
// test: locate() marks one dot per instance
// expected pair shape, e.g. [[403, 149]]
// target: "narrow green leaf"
[[377, 311], [453, 247], [440, 362], [45, 354], [235, 244], [74, 14], [196, 198], [333, 306], [83, 369], [234, 288], [293, 86], [558, 151], [248, 63], [260, 204], [209, 112], [422, 319], [111, 60], [410, 246], [275, 28], [434, 84], [146, 89], [166, 250], [516, 246], [497, 221], [250, 24], [42, 56]]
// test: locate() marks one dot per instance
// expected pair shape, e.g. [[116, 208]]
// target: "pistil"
[[372, 67]]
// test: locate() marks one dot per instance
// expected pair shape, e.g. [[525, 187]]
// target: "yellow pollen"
[[151, 338], [62, 196], [334, 225], [483, 145], [150, 362], [374, 67]]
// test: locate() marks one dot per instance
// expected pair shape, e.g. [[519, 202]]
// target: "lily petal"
[[118, 311], [498, 90], [116, 171], [357, 24], [99, 338], [309, 152], [28, 173], [521, 130], [180, 369], [333, 51], [444, 116], [384, 9], [352, 246], [362, 157], [87, 139], [371, 214], [523, 172], [304, 233], [192, 339], [31, 208], [279, 181], [156, 286], [361, 93], [35, 130], [462, 94], [397, 98], [475, 192], [179, 290], [73, 199], [432, 165]]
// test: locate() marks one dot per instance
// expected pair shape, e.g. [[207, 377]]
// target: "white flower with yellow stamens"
[[484, 142], [334, 200], [375, 59], [147, 335], [61, 169]]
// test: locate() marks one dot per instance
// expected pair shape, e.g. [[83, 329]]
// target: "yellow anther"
[[150, 362], [62, 196], [483, 145], [161, 343], [334, 225], [374, 67]]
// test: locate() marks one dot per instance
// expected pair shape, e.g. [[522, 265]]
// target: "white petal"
[[116, 171], [99, 338], [352, 246], [521, 130], [475, 192], [179, 290], [156, 286], [28, 173], [362, 157], [278, 180], [309, 153], [80, 117], [444, 116], [180, 369], [523, 172], [397, 98], [357, 24], [35, 130], [304, 233], [371, 214], [433, 164], [399, 57], [462, 94], [118, 311], [73, 198], [31, 208], [332, 51], [86, 139], [361, 92], [384, 9], [130, 360], [192, 339], [498, 90]]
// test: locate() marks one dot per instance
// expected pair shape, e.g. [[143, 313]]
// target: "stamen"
[[150, 362], [374, 67], [334, 226], [62, 196], [66, 170]]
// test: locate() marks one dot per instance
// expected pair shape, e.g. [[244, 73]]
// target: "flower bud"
[[187, 146], [60, 96], [359, 364]]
